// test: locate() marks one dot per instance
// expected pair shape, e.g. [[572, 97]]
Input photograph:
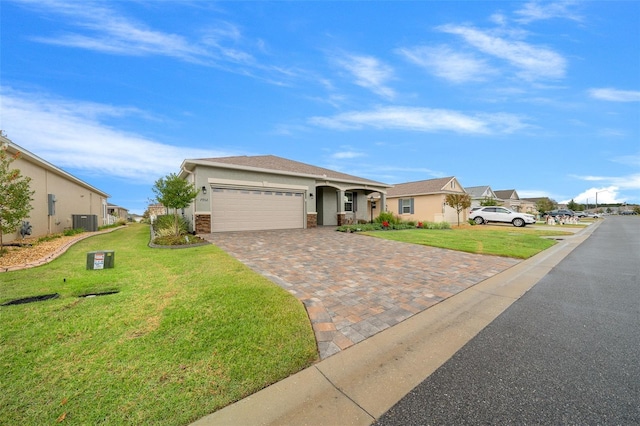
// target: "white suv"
[[500, 214]]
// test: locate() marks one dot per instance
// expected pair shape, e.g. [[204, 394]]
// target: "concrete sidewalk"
[[358, 385]]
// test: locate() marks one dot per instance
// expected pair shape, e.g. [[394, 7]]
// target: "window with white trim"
[[348, 201], [405, 206]]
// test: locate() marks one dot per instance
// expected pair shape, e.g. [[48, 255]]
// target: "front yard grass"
[[188, 332], [508, 241]]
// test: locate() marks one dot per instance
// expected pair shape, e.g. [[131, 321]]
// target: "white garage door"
[[247, 209]]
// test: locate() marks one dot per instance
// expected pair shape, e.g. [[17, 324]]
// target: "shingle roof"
[[430, 186], [506, 194], [272, 162], [476, 191]]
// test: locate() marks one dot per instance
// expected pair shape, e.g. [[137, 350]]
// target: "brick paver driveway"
[[354, 286]]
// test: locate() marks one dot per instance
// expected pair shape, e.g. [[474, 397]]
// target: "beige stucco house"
[[510, 199], [425, 200], [60, 200], [269, 192]]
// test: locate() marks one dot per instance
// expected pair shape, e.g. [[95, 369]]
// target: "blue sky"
[[540, 97]]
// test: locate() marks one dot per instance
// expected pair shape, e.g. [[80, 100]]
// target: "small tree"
[[15, 194], [459, 202], [174, 193], [488, 201], [572, 205], [545, 205]]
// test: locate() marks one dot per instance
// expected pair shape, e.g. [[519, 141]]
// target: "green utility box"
[[101, 259]]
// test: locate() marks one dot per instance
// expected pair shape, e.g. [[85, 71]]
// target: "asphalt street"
[[567, 352]]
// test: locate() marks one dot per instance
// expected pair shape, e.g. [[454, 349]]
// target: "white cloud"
[[537, 11], [422, 120], [612, 189], [346, 155], [630, 160], [615, 95], [100, 27], [446, 63], [369, 73], [70, 135], [605, 195], [533, 62], [631, 182]]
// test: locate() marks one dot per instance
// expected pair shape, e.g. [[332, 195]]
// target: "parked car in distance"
[[560, 212], [581, 214], [500, 214]]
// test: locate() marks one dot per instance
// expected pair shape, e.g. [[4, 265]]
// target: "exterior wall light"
[[204, 189]]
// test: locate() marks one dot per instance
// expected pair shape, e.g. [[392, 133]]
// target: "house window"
[[405, 206], [348, 201]]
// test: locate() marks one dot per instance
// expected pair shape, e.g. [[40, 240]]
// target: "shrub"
[[172, 240], [360, 227], [167, 222], [71, 232], [438, 225], [387, 217], [48, 238], [164, 232]]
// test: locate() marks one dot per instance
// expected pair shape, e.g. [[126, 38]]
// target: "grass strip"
[[520, 243]]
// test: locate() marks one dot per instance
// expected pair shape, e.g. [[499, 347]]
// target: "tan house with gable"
[[425, 200], [268, 192], [60, 201], [510, 199]]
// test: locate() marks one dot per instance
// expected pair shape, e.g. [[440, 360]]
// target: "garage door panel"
[[239, 210]]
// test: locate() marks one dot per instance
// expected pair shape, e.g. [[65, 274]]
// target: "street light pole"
[[597, 192]]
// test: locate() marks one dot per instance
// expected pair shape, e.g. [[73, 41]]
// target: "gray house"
[[267, 192], [479, 194]]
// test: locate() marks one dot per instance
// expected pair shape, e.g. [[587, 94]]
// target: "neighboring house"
[[156, 210], [535, 202], [511, 200], [425, 200], [116, 213], [60, 201], [479, 194], [268, 192]]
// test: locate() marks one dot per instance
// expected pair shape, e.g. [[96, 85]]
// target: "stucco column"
[[341, 215], [383, 202]]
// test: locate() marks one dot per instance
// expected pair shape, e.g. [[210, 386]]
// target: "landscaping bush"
[[436, 225], [387, 217], [172, 240], [164, 232]]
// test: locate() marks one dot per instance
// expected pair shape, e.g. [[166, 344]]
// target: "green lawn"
[[509, 241], [189, 331]]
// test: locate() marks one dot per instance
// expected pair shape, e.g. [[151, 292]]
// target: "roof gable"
[[480, 191], [285, 166], [507, 194], [422, 187]]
